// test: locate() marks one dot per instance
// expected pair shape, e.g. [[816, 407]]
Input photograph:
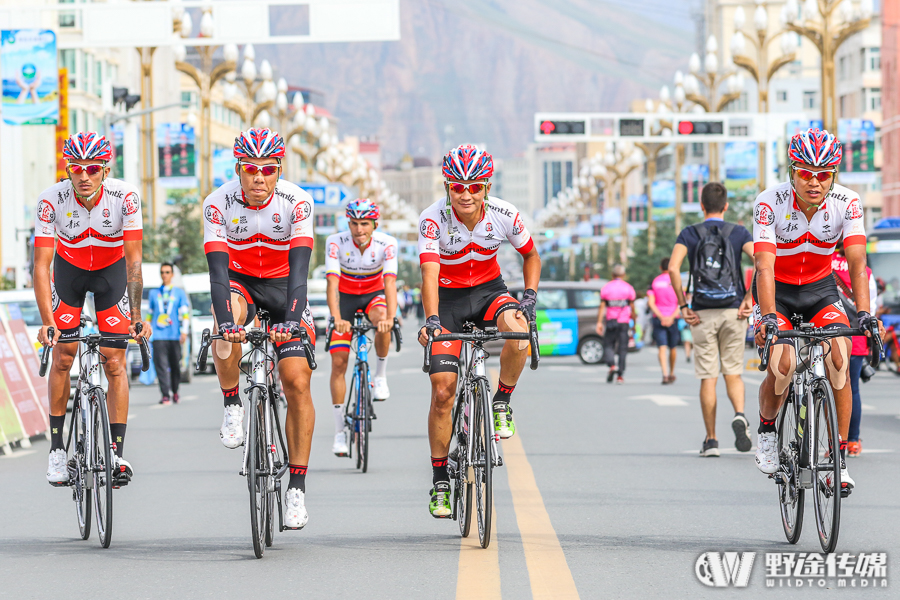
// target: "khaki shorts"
[[718, 342]]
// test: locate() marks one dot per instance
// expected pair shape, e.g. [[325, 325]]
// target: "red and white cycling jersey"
[[360, 272], [89, 239], [469, 258], [258, 238], [802, 247]]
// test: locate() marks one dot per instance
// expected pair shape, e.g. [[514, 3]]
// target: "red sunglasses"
[[459, 188], [823, 176], [93, 169], [251, 169]]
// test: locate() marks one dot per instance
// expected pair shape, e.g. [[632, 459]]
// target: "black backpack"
[[715, 275]]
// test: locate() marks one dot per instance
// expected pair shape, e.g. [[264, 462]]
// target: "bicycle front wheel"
[[102, 461], [256, 466], [279, 458], [75, 453], [483, 462], [790, 494], [363, 416], [826, 463]]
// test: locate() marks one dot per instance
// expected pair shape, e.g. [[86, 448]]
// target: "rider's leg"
[[382, 340], [301, 414], [117, 394], [440, 427], [773, 389], [227, 356], [837, 366], [515, 352], [376, 314], [339, 362], [59, 388]]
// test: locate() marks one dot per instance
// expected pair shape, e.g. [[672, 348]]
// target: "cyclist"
[[97, 222], [258, 238], [361, 269], [796, 227], [458, 241]]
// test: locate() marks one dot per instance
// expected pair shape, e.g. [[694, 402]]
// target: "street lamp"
[[760, 67], [313, 137], [676, 103], [259, 89], [827, 26]]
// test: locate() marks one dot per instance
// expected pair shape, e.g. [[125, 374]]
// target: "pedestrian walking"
[[169, 312], [663, 303], [613, 322], [719, 308]]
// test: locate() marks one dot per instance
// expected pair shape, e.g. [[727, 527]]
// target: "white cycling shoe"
[[380, 389], [340, 447], [232, 432], [57, 471], [295, 515], [766, 453]]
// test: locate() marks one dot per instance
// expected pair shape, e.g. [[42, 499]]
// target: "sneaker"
[[611, 375], [766, 454], [440, 500], [232, 432], [175, 398], [710, 448], [847, 483], [672, 378], [340, 447], [503, 421], [620, 380], [122, 473], [665, 380], [741, 433], [57, 471], [854, 448], [295, 515], [380, 389], [165, 400]]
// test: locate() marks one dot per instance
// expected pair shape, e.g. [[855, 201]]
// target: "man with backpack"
[[719, 309]]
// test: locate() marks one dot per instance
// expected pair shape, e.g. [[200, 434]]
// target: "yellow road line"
[[479, 568]]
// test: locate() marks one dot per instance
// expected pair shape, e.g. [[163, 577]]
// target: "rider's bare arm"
[[531, 269], [135, 281], [43, 258], [390, 296], [334, 296], [859, 279]]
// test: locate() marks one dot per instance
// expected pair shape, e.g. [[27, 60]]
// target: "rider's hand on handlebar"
[[145, 330], [42, 335], [232, 333], [341, 326], [527, 305], [282, 332], [769, 321], [432, 325], [869, 323], [385, 326]]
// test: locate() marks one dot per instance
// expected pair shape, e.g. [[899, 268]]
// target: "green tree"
[[179, 238]]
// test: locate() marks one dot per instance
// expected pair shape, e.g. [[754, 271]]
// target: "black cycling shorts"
[[349, 305], [69, 287], [818, 303], [480, 305], [271, 296]]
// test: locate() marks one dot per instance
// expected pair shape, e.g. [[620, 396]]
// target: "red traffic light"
[[685, 127], [548, 127]]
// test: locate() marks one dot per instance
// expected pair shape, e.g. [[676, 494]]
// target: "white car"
[[318, 303]]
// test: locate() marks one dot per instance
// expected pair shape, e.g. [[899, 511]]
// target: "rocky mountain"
[[478, 70]]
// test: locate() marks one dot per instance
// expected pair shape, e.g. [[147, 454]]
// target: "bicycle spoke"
[[790, 494], [827, 468]]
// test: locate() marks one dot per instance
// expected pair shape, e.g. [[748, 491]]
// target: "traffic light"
[[121, 96], [562, 127], [701, 127]]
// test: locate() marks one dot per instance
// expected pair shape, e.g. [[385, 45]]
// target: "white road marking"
[[868, 407], [661, 399], [18, 453]]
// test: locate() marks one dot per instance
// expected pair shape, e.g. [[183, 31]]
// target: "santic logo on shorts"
[[67, 318], [113, 321]]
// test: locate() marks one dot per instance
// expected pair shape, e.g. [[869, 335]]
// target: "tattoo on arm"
[[135, 287]]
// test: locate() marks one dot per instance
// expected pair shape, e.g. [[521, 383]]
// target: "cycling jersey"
[[802, 247], [88, 239], [469, 258], [258, 238], [360, 272]]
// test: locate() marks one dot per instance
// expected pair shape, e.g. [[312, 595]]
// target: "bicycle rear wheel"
[[256, 465], [103, 459], [826, 463], [363, 415], [790, 494], [483, 462], [75, 452], [462, 495], [278, 459]]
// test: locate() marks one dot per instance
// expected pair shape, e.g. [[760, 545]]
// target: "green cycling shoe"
[[503, 420], [440, 500]]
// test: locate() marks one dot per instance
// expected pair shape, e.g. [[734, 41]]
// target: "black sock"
[[766, 426], [232, 396], [843, 449], [439, 467], [298, 477], [117, 430], [739, 414], [503, 392], [56, 432]]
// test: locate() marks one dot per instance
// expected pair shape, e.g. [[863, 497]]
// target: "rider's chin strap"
[[90, 198], [793, 189]]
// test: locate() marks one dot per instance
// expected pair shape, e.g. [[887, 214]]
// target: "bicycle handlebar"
[[45, 357], [818, 334], [145, 348], [256, 337], [362, 329], [490, 334], [96, 337]]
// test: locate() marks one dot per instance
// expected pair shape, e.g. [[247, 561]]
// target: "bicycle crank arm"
[[278, 501]]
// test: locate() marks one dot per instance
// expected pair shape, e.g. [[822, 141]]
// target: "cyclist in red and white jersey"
[[95, 223], [258, 238], [361, 269], [796, 227], [458, 241]]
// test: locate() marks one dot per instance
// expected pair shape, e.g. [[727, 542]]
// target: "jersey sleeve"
[[763, 225], [390, 258], [132, 219], [44, 224], [332, 256], [214, 234], [429, 238], [854, 223], [519, 236], [302, 222]]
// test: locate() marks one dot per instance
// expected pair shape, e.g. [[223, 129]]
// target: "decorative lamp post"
[[620, 161]]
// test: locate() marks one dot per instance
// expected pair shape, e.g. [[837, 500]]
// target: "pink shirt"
[[617, 294], [664, 295]]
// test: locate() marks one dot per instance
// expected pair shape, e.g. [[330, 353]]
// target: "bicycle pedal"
[[374, 416], [499, 461], [59, 483]]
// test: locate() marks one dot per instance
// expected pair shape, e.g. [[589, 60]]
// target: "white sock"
[[381, 367], [338, 417]]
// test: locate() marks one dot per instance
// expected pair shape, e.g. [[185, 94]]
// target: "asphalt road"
[[603, 495]]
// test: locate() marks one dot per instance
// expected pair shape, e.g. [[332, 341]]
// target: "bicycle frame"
[[471, 360], [362, 357], [261, 376], [803, 384], [89, 379]]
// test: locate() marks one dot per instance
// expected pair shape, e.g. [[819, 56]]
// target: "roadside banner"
[[62, 124], [28, 64], [11, 429], [22, 344], [558, 331], [19, 390]]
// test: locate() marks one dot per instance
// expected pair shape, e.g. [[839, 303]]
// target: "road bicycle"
[[91, 459], [358, 410], [472, 460], [807, 437], [264, 462]]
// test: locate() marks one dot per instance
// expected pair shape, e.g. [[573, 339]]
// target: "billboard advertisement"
[[858, 138], [223, 166], [664, 199], [741, 166], [30, 77], [176, 143]]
